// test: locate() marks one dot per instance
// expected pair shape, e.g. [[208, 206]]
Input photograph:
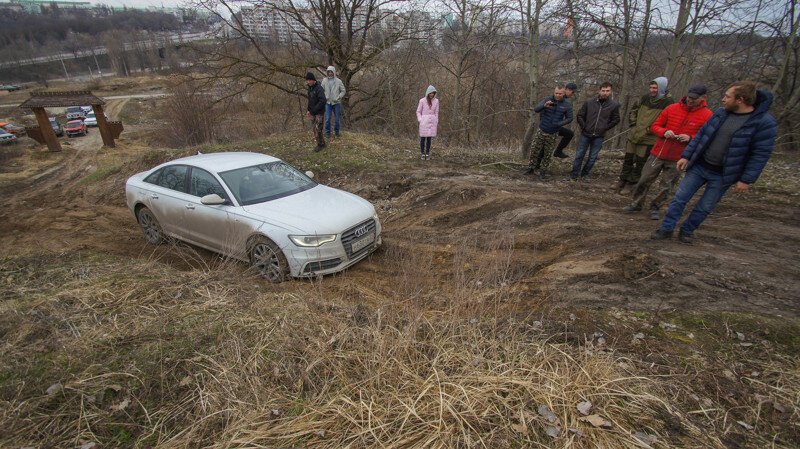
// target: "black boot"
[[559, 153], [529, 171]]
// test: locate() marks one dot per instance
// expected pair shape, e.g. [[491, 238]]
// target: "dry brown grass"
[[151, 356]]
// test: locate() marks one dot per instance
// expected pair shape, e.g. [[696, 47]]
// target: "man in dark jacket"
[[555, 112], [596, 116], [565, 133], [731, 148], [316, 108]]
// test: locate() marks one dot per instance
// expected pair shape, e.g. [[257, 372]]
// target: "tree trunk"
[[680, 31], [533, 69]]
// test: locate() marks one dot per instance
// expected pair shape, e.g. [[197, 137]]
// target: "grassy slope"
[[148, 354]]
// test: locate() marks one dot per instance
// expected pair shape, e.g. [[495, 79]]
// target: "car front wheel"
[[150, 227], [268, 260]]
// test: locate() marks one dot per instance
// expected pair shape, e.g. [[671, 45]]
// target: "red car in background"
[[76, 128], [12, 128]]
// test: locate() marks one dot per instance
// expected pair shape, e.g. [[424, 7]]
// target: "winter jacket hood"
[[750, 147], [642, 114], [334, 87], [429, 90], [661, 82], [680, 119]]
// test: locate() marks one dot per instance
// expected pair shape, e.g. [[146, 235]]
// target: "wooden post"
[[102, 124], [47, 130]]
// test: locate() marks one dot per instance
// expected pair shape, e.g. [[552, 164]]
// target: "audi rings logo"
[[361, 231]]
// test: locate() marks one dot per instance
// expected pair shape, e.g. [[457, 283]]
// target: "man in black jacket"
[[316, 108], [596, 116]]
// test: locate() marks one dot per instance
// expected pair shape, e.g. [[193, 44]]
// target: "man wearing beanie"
[[640, 140], [316, 108]]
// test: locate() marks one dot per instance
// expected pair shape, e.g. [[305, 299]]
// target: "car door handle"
[[190, 206]]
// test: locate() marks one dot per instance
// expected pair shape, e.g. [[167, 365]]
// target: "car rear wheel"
[[268, 260], [150, 227]]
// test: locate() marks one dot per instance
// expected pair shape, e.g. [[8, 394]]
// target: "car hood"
[[319, 210]]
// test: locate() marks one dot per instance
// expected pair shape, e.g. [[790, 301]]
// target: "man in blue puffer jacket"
[[556, 112], [731, 148]]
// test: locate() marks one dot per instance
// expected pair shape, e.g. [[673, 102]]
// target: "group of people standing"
[[717, 150], [325, 104], [730, 146]]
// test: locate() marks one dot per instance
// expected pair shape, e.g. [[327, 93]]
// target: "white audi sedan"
[[254, 208]]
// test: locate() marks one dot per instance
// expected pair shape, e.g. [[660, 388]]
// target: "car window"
[[172, 177], [203, 183], [265, 182]]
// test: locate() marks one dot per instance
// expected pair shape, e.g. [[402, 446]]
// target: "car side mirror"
[[213, 200], [310, 174]]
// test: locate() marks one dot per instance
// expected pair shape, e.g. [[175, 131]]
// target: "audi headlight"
[[312, 240]]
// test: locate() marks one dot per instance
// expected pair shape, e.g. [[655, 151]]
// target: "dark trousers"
[[566, 137], [425, 145]]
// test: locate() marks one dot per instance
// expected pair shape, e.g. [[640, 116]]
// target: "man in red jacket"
[[675, 127]]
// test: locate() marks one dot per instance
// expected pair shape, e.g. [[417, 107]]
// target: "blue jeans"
[[695, 178], [586, 142], [337, 111]]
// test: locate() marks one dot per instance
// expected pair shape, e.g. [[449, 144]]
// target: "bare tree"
[[348, 34]]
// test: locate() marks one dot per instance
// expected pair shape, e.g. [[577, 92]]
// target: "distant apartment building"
[[281, 23], [274, 24]]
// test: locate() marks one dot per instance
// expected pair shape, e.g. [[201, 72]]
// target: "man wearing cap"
[[640, 140], [565, 133], [316, 108], [675, 127], [731, 148]]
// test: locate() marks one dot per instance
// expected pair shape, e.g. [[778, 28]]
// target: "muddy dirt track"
[[448, 224]]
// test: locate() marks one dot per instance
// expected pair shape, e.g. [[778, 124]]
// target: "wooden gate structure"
[[44, 134]]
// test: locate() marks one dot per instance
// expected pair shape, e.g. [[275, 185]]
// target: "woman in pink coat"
[[428, 118]]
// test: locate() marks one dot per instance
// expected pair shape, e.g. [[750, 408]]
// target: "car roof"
[[222, 162], [75, 121]]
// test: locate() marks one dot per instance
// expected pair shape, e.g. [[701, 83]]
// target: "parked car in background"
[[255, 208], [75, 128], [12, 128], [9, 87], [91, 119], [6, 138], [74, 112], [56, 127], [86, 109]]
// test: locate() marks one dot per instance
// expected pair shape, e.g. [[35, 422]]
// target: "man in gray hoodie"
[[334, 92]]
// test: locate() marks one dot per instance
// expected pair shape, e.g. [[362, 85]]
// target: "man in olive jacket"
[[640, 139], [596, 116], [316, 108]]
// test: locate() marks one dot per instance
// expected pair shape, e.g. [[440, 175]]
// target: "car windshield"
[[74, 109], [75, 123], [265, 182]]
